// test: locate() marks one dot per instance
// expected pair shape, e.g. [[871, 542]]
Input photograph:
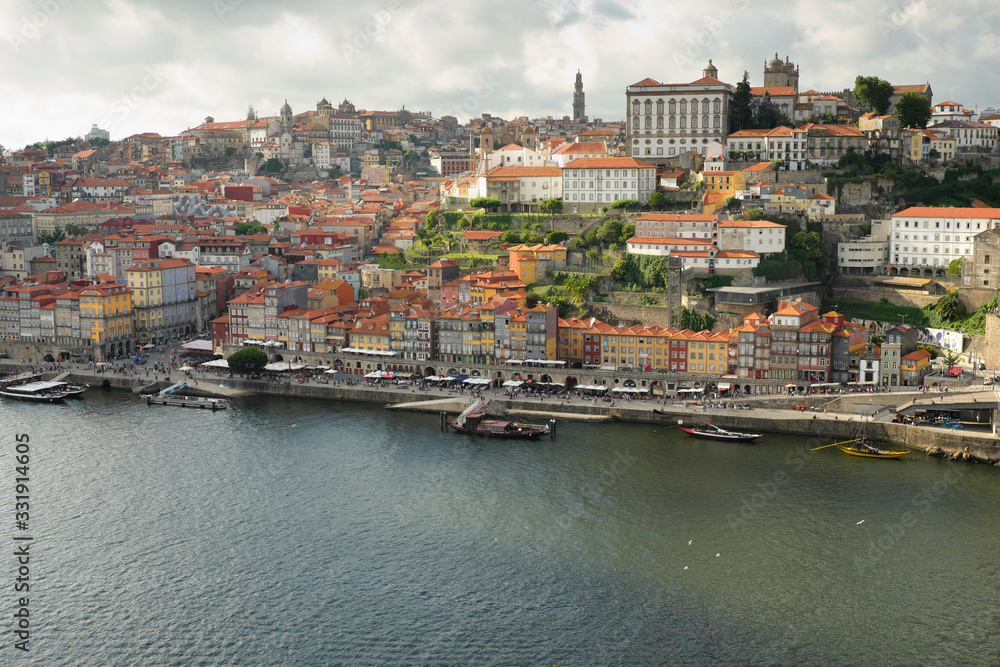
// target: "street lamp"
[[902, 317]]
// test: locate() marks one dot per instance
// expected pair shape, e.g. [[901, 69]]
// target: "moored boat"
[[476, 421], [864, 447], [710, 431], [36, 392]]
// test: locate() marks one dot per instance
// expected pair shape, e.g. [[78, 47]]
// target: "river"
[[298, 532]]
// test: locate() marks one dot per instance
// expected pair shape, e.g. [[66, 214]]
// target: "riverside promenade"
[[828, 418]]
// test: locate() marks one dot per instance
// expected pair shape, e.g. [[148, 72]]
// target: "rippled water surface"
[[285, 532]]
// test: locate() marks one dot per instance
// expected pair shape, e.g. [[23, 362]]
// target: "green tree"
[[955, 266], [913, 110], [876, 339], [628, 231], [273, 166], [510, 236], [620, 271], [949, 306], [610, 232], [873, 92], [53, 237], [625, 203], [431, 221], [249, 229], [555, 237], [933, 154], [530, 237], [950, 359], [230, 151], [551, 205], [247, 360], [657, 200], [410, 159], [487, 203], [76, 230], [739, 110]]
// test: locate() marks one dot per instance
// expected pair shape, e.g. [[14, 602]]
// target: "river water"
[[297, 532]]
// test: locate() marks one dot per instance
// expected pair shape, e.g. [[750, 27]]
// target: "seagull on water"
[[859, 522], [717, 555], [685, 567], [689, 542]]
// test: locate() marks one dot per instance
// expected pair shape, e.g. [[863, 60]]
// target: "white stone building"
[[667, 119], [924, 240], [590, 183]]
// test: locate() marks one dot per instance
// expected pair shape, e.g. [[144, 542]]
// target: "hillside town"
[[720, 237]]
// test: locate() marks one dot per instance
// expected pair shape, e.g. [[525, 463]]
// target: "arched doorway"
[[49, 358], [429, 371], [571, 382]]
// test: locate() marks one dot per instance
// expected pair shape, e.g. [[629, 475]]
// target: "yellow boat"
[[864, 448]]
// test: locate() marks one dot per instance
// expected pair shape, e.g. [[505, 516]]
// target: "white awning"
[[279, 366], [513, 383], [724, 385], [216, 363], [476, 381]]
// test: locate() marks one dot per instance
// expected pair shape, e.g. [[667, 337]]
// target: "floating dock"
[[169, 397]]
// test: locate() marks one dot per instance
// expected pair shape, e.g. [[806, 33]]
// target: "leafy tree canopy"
[[949, 306], [488, 203], [249, 228], [247, 360], [551, 205], [873, 92], [913, 110]]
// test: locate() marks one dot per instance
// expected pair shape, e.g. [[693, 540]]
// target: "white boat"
[[43, 391], [710, 431]]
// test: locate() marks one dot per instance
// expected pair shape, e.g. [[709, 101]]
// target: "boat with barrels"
[[475, 420]]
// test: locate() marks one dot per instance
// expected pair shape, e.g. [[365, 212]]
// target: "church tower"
[[485, 142], [710, 71], [287, 122], [529, 139], [579, 106], [781, 74]]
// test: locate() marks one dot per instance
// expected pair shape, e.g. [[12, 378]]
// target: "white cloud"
[[436, 55]]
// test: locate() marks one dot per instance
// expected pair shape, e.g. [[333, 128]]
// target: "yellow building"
[[570, 338], [531, 262], [164, 295], [912, 144], [106, 319], [371, 334]]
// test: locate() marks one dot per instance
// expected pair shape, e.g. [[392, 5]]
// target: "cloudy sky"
[[139, 65]]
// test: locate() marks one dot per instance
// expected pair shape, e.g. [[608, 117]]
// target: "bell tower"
[[579, 105]]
